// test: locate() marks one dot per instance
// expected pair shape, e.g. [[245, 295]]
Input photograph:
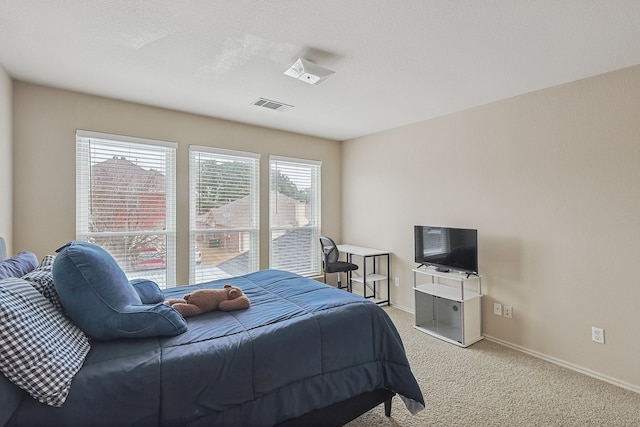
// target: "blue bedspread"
[[301, 345]]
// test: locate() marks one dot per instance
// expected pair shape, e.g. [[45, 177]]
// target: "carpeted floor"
[[488, 384]]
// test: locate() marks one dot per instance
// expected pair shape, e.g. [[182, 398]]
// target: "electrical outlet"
[[597, 334], [397, 282], [497, 309], [508, 311]]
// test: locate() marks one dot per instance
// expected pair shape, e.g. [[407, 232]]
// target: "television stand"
[[448, 305]]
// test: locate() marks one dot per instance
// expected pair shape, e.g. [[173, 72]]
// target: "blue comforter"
[[301, 345]]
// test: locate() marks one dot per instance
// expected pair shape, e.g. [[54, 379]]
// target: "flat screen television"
[[447, 248]]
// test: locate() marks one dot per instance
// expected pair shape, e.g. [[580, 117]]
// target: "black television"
[[447, 248]]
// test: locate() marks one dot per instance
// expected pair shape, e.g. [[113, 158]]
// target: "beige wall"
[[46, 120], [551, 180], [6, 169]]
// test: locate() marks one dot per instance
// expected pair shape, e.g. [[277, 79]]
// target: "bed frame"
[[341, 413]]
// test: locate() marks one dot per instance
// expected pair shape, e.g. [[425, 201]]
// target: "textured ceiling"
[[396, 62]]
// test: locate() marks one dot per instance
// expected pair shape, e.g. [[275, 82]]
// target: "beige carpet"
[[487, 384]]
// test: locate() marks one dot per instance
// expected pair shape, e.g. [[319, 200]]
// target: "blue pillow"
[[99, 298], [148, 291], [19, 265]]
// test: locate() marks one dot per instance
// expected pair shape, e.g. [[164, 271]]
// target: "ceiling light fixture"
[[308, 72]]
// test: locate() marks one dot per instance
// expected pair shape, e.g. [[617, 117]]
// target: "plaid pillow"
[[47, 261], [42, 279], [40, 349]]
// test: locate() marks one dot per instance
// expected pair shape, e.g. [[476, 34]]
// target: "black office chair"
[[331, 263]]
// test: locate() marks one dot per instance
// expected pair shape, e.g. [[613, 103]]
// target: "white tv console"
[[448, 305]]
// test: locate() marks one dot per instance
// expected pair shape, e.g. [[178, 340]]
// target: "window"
[[125, 192], [224, 220], [294, 215]]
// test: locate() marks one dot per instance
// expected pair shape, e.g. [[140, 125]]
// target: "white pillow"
[[40, 349]]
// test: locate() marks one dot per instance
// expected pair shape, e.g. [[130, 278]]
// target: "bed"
[[304, 353]]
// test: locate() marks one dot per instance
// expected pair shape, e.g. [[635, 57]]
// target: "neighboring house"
[[232, 218], [131, 199], [125, 197], [294, 242]]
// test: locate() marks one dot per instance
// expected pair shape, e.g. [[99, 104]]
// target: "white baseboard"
[[556, 361], [582, 370], [399, 307]]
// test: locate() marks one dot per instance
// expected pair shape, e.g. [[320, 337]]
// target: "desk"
[[368, 280]]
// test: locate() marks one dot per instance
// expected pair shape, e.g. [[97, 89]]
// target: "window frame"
[[313, 266], [253, 230], [168, 149]]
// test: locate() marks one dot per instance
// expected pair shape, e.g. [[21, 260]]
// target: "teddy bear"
[[205, 300]]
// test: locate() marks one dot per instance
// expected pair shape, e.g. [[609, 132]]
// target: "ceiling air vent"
[[272, 105]]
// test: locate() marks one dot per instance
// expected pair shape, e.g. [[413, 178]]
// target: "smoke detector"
[[308, 72]]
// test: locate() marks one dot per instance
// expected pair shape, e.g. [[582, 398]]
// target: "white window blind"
[[294, 215], [225, 214], [438, 241], [125, 202]]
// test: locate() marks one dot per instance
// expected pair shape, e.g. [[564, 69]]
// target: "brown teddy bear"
[[204, 300]]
